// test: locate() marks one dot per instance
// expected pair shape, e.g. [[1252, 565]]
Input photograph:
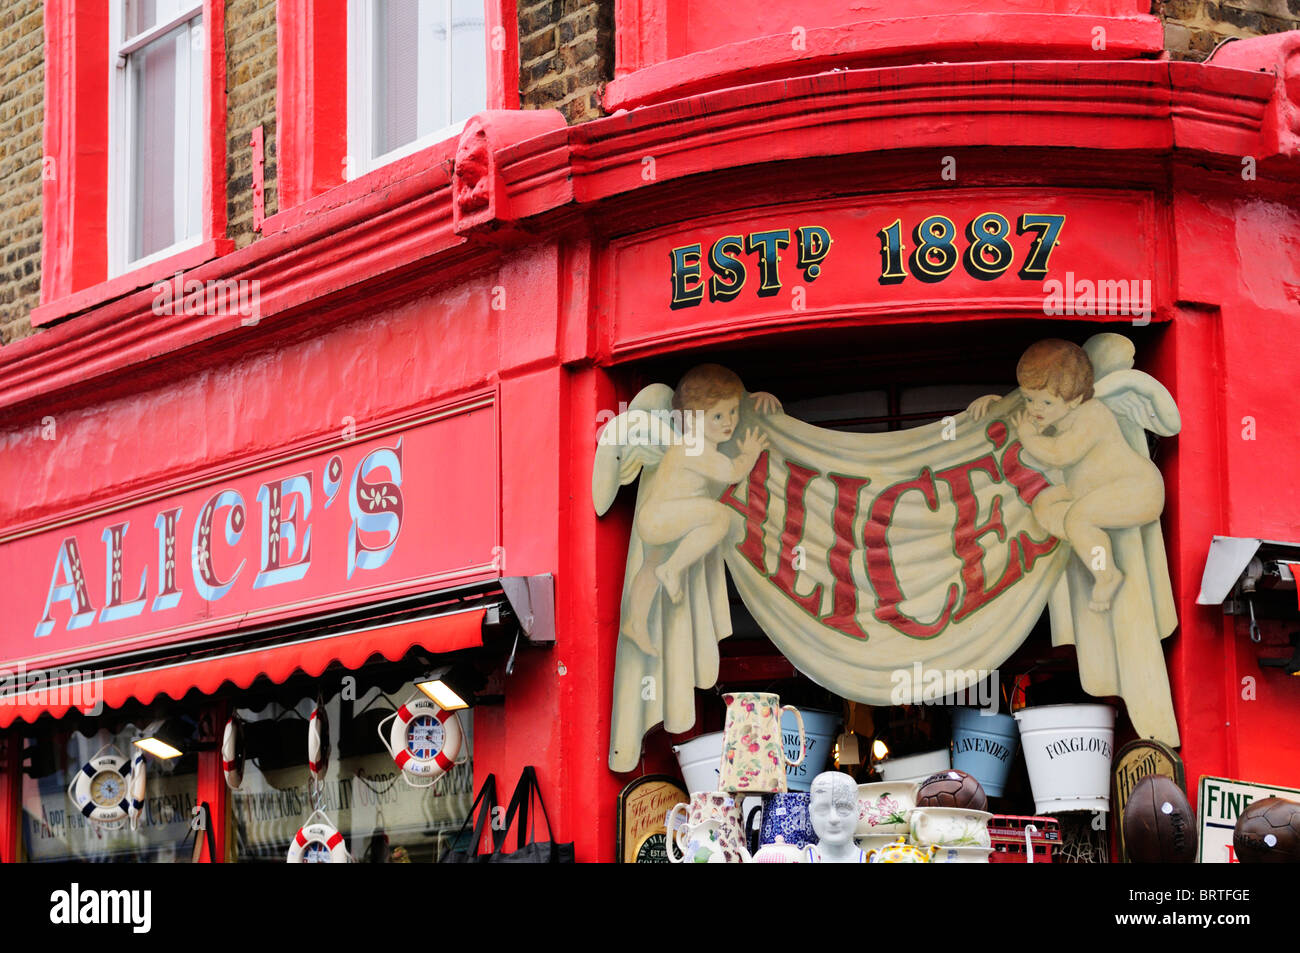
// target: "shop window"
[[362, 792], [55, 827], [893, 408], [156, 72]]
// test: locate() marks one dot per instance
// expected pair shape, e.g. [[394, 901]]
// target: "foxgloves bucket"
[[1068, 752], [984, 745]]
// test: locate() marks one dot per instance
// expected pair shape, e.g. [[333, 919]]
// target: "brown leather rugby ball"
[[1159, 826], [952, 788], [1268, 832]]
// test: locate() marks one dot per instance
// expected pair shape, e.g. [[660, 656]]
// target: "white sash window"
[[157, 71], [417, 69]]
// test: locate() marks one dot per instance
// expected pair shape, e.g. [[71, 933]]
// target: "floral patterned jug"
[[753, 759]]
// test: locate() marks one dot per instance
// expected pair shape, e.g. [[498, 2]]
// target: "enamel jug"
[[753, 757]]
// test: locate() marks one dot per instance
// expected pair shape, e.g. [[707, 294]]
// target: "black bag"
[[534, 851], [469, 852]]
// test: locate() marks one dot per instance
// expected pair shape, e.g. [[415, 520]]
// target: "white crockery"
[[961, 855], [949, 826], [883, 807]]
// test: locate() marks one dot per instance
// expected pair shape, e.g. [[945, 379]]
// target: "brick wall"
[[1193, 28], [250, 102], [566, 55], [22, 104]]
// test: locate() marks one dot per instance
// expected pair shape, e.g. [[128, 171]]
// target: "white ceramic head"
[[834, 810]]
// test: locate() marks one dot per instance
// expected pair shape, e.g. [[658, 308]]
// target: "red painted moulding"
[[358, 234], [955, 38], [651, 32]]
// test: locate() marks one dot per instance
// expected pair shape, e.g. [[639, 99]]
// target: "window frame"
[[312, 96], [122, 196], [75, 273]]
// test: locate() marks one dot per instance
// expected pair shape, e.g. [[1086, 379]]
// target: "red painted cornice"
[[945, 38], [415, 220]]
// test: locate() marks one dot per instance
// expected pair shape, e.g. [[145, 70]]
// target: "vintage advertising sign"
[[367, 515], [1219, 803], [1137, 760], [1068, 253], [876, 562], [642, 806]]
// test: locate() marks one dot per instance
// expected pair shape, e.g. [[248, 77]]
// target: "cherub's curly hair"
[[703, 386], [1057, 366]]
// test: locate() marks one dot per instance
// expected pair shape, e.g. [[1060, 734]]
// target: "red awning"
[[444, 633]]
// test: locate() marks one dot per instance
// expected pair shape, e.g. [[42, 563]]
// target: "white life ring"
[[318, 843], [318, 741], [424, 740], [232, 753], [101, 788], [139, 785]]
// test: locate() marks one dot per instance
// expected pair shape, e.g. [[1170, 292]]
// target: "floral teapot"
[[901, 852]]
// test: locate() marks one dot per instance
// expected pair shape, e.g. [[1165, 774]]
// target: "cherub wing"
[[1139, 401], [634, 440]]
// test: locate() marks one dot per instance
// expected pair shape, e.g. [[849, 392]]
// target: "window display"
[[361, 791], [78, 797]]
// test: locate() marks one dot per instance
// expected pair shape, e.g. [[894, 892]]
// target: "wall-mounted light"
[[437, 684], [166, 738], [879, 750]]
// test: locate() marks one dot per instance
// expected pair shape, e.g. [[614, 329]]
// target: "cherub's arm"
[[710, 463], [753, 444], [1060, 451]]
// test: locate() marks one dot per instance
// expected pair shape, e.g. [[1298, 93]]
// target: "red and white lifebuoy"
[[101, 789], [424, 740], [318, 742], [139, 784], [318, 842], [232, 753]]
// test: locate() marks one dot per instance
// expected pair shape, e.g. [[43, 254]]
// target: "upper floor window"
[[157, 60], [417, 69]]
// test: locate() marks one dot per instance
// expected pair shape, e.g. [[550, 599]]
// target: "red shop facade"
[[386, 470]]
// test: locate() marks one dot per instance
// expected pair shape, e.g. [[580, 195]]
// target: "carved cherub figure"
[[679, 519], [1068, 426]]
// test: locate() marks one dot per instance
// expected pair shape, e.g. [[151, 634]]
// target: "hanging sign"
[[895, 568], [1137, 760], [398, 510], [1219, 803], [642, 806]]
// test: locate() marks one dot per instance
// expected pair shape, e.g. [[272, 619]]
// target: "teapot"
[[901, 852]]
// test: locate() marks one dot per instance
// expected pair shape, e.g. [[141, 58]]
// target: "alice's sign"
[[861, 555], [357, 518]]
